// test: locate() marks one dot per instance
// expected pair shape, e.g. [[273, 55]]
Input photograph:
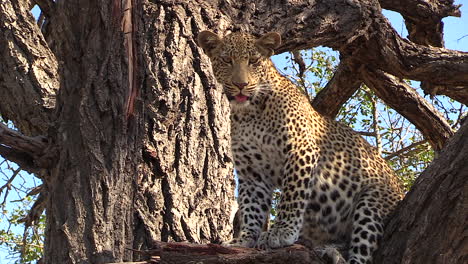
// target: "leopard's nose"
[[240, 85]]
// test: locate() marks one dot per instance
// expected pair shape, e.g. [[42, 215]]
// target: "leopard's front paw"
[[240, 242], [277, 238]]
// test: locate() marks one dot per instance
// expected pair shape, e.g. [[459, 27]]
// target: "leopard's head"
[[240, 61]]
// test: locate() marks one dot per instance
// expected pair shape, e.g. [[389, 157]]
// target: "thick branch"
[[24, 160], [176, 253], [21, 149], [28, 70], [16, 140], [358, 30], [423, 18], [338, 90], [445, 69], [303, 24], [407, 102], [419, 9]]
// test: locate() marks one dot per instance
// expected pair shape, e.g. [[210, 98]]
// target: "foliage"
[[24, 247]]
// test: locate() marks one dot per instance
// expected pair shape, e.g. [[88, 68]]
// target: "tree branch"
[[407, 102], [358, 30], [423, 18], [7, 186], [28, 70], [405, 149], [442, 71], [36, 210], [176, 253], [297, 58], [46, 6], [337, 91], [27, 152], [421, 9], [16, 140], [24, 160]]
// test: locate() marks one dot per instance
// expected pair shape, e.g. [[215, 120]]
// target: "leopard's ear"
[[268, 43], [209, 41]]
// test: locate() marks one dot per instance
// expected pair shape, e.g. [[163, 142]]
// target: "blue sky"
[[454, 31]]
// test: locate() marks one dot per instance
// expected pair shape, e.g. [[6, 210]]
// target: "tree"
[[119, 114], [118, 157]]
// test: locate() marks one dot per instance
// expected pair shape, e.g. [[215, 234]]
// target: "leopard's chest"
[[257, 150]]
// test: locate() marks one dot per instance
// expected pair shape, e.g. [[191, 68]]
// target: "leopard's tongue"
[[240, 98]]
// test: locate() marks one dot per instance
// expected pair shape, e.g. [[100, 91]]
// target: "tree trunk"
[[143, 146], [430, 225], [186, 183]]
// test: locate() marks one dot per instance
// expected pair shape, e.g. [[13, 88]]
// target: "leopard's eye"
[[227, 59], [254, 60]]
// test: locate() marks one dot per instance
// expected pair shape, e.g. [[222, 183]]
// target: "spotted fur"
[[334, 186]]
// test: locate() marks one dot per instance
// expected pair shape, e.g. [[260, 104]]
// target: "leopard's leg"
[[327, 246], [371, 209], [254, 207], [294, 197]]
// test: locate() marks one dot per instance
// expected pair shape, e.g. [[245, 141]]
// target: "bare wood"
[[404, 99], [423, 19], [423, 8], [24, 160], [182, 253]]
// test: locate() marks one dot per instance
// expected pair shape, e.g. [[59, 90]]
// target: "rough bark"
[[139, 130], [98, 147], [182, 253], [28, 72], [430, 224], [26, 151], [134, 129], [186, 184]]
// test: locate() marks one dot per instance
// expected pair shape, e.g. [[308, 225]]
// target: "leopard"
[[335, 189]]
